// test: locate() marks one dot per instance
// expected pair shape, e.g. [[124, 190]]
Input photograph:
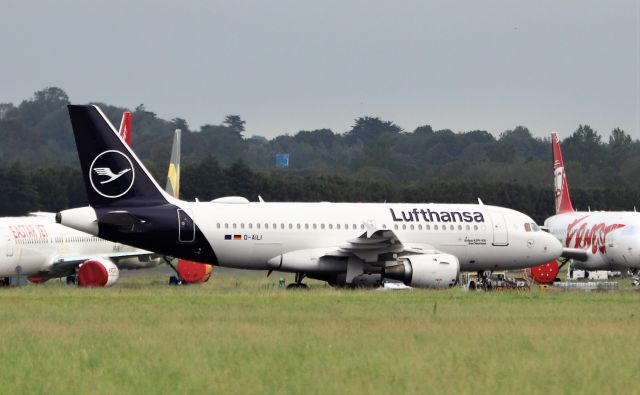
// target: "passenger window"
[[234, 226], [290, 226], [475, 227], [306, 226], [435, 227], [298, 226], [459, 227], [451, 227], [258, 225], [468, 227], [404, 227], [330, 226], [338, 226], [321, 226], [281, 226], [250, 225], [275, 226], [242, 225], [427, 227], [395, 226], [411, 226], [315, 226], [266, 226], [355, 227]]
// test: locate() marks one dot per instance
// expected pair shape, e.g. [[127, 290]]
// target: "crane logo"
[[111, 174]]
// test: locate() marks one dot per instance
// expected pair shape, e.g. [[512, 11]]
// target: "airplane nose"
[[551, 246]]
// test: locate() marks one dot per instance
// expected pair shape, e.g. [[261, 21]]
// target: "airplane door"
[[500, 232], [186, 227], [9, 246]]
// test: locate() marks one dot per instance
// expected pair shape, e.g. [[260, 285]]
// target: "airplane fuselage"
[[249, 235], [610, 239], [37, 244]]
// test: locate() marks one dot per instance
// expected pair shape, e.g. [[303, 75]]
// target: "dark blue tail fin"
[[113, 174]]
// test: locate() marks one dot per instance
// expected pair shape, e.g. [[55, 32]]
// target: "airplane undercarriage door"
[[186, 227], [500, 232]]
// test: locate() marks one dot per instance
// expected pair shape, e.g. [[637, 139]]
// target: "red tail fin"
[[563, 201], [125, 127]]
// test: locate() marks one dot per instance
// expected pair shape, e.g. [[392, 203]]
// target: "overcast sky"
[[291, 65]]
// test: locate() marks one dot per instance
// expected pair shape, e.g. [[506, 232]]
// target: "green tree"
[[235, 123]]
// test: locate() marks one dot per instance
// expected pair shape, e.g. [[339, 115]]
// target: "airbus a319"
[[422, 245]]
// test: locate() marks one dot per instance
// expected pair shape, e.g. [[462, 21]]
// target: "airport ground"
[[240, 333]]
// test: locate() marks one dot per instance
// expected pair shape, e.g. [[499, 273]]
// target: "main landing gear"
[[298, 284]]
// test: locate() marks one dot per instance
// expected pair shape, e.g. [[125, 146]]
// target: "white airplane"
[[422, 245], [37, 247], [41, 249], [595, 240]]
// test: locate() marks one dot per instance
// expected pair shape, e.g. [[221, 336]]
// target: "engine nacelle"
[[308, 261], [545, 273], [425, 271], [194, 272], [98, 272]]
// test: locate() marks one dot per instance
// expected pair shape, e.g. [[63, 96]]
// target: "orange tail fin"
[[563, 201]]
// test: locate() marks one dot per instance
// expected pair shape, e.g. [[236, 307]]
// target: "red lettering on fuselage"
[[28, 231], [586, 238]]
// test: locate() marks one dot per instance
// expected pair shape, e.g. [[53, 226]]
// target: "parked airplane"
[[423, 245], [37, 247], [595, 240]]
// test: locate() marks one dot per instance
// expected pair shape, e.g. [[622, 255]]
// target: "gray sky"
[[291, 65]]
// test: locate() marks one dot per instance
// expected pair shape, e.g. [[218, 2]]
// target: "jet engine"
[[98, 272], [194, 272], [545, 273], [425, 271]]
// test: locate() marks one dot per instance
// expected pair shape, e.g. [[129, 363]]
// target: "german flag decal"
[[237, 237]]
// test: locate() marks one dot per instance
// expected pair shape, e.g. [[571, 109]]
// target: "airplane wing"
[[375, 242], [64, 266]]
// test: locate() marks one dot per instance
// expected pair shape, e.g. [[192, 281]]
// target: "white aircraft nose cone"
[[552, 246]]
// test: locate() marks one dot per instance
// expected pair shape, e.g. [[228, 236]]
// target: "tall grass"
[[244, 335]]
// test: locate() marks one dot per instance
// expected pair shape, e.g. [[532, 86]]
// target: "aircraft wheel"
[[297, 286]]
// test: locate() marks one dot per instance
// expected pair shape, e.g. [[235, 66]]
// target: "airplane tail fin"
[[173, 177], [113, 174], [125, 127], [563, 200]]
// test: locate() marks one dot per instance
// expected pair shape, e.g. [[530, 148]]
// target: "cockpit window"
[[535, 228], [527, 227]]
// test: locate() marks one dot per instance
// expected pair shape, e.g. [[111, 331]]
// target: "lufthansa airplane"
[[421, 244], [596, 240]]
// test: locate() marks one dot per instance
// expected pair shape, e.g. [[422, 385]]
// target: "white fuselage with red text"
[[611, 239], [36, 245]]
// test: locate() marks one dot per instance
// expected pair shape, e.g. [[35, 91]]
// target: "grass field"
[[241, 334]]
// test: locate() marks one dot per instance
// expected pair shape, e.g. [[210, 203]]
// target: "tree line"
[[375, 160]]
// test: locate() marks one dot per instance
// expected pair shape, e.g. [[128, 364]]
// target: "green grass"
[[244, 335]]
